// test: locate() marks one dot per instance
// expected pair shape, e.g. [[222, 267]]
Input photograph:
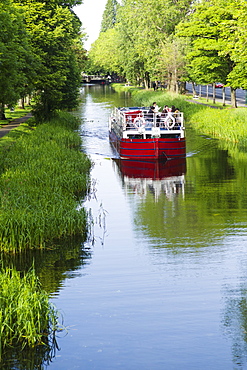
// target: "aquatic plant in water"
[[27, 319]]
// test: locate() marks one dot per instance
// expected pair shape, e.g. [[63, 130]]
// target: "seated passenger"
[[151, 111], [177, 117], [166, 109]]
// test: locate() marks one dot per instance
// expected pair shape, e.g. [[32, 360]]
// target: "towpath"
[[13, 124]]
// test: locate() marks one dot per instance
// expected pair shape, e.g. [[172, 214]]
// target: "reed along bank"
[[44, 179]]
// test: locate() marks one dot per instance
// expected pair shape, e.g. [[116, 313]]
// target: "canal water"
[[162, 281]]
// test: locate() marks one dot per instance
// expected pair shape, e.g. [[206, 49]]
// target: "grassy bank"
[[27, 319], [228, 124], [43, 177]]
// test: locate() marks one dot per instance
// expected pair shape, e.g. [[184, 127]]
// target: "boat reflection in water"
[[156, 177]]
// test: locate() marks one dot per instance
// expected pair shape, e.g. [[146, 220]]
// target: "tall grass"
[[228, 124], [27, 318], [44, 176]]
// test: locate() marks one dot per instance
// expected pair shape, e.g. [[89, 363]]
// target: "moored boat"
[[138, 134]]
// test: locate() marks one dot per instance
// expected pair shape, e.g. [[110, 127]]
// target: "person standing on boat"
[[154, 110], [151, 109], [151, 112]]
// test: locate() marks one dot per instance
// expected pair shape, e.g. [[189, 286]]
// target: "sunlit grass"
[[26, 316], [230, 124], [44, 175]]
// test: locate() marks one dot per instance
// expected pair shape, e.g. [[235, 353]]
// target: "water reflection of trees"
[[214, 200], [30, 358], [63, 260], [103, 93], [52, 266]]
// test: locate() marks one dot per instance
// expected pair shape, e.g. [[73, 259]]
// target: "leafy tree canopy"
[[16, 55], [217, 30], [109, 18], [55, 35]]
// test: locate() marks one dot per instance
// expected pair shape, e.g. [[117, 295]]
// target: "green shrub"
[[26, 316]]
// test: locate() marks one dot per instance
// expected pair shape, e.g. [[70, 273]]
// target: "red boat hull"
[[149, 149]]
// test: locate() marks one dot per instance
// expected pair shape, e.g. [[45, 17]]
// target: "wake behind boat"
[[138, 134]]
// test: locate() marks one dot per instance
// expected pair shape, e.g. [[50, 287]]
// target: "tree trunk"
[[200, 91], [173, 82], [213, 93], [2, 114], [193, 89], [29, 100], [182, 87], [233, 98], [146, 80], [169, 81], [175, 78], [224, 96]]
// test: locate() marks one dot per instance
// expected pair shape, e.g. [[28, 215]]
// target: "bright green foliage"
[[142, 29], [208, 60], [16, 56], [236, 34], [103, 52], [148, 46], [218, 32], [44, 176], [41, 52], [26, 316], [109, 18], [54, 30], [173, 63], [53, 3]]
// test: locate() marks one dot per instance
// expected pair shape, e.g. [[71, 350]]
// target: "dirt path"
[[13, 124]]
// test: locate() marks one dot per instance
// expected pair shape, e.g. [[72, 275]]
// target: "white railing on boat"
[[141, 120]]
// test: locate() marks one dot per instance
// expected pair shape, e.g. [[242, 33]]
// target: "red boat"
[[138, 134]]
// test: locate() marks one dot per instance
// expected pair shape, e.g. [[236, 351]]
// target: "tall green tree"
[[109, 17], [15, 55], [212, 28], [55, 34], [235, 32], [104, 52], [144, 26], [172, 66]]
